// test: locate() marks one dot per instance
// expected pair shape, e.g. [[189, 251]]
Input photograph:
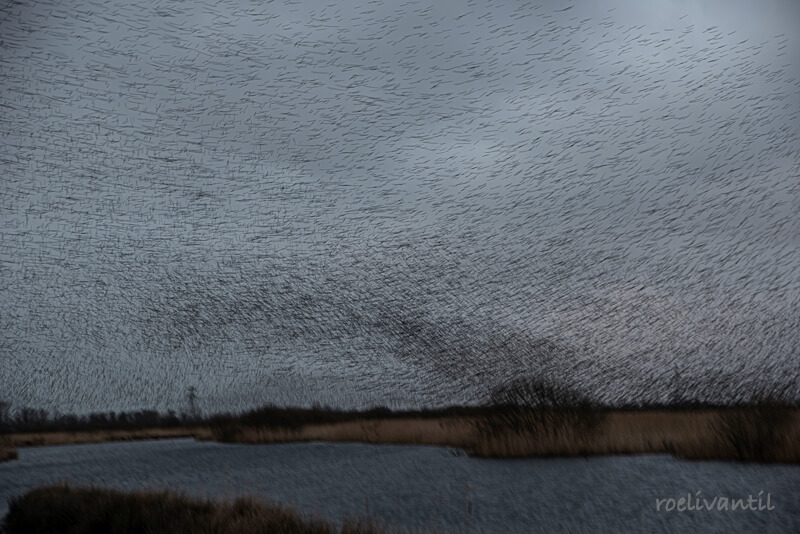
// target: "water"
[[417, 486]]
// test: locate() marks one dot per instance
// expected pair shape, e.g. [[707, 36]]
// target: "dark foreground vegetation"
[[78, 510], [8, 453], [522, 418]]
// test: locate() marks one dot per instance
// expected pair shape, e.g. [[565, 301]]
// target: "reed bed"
[[762, 432], [752, 433]]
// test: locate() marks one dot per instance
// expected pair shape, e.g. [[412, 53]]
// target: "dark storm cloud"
[[397, 203]]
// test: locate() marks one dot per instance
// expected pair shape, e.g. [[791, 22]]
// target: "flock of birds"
[[392, 204]]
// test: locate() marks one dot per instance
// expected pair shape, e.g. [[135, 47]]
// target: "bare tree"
[[191, 397], [5, 414], [5, 411]]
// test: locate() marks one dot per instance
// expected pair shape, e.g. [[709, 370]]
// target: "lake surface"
[[417, 486]]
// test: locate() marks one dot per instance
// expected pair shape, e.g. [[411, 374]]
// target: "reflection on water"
[[429, 486]]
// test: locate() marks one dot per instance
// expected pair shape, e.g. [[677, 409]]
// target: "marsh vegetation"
[[74, 510], [523, 418]]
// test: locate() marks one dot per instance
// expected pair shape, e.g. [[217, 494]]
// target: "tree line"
[[25, 419]]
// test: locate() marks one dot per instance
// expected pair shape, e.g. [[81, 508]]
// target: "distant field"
[[763, 433]]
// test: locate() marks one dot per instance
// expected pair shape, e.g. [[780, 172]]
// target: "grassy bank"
[[764, 433], [747, 434], [70, 510], [45, 438]]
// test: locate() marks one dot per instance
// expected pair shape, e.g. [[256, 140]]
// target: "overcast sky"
[[397, 203]]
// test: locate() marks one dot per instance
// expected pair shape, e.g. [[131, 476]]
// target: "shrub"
[[754, 433], [540, 406]]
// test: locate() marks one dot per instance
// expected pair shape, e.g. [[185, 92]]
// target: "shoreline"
[[708, 434], [78, 437], [761, 434]]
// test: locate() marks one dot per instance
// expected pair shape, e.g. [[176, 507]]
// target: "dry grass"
[[764, 433], [456, 432], [36, 439], [690, 434], [61, 508], [616, 433], [743, 434]]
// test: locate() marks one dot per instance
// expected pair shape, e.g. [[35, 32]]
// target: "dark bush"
[[539, 405], [754, 433], [88, 510]]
